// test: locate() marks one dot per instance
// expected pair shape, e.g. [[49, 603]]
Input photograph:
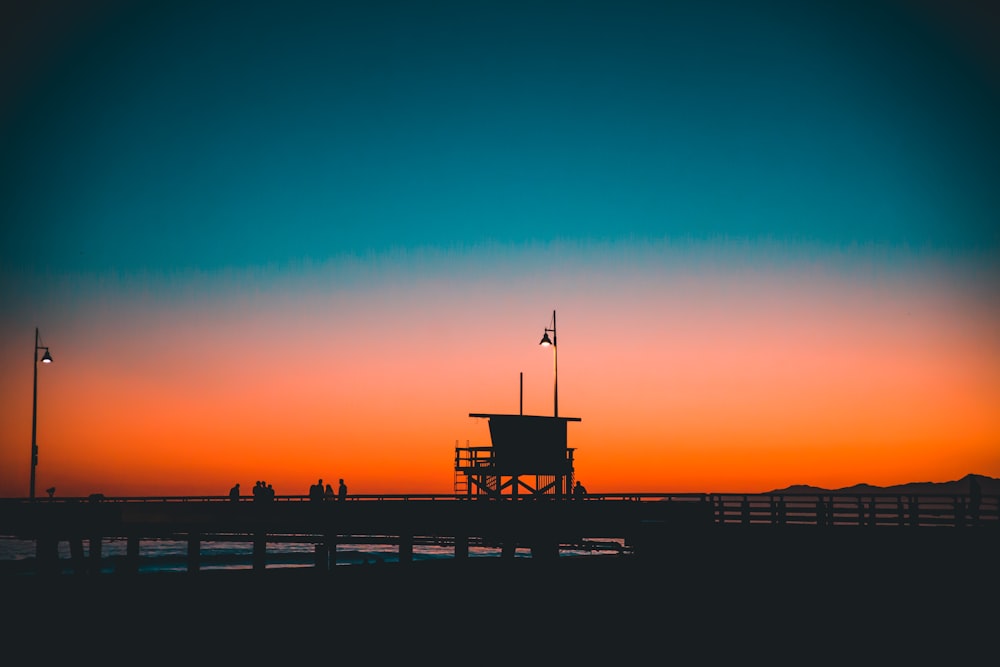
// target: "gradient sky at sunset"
[[290, 240]]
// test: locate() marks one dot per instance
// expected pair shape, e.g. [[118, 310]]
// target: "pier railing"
[[817, 509], [862, 509]]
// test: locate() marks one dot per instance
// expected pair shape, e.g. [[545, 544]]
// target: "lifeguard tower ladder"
[[528, 455]]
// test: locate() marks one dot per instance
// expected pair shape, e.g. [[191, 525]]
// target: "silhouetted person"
[[316, 491], [820, 512], [579, 490], [342, 490], [234, 493], [328, 493], [51, 491], [975, 498]]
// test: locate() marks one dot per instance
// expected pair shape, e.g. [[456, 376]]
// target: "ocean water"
[[170, 555]]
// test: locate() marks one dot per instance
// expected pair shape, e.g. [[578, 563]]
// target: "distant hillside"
[[989, 485]]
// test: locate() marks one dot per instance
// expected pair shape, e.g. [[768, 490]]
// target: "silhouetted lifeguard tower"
[[529, 453]]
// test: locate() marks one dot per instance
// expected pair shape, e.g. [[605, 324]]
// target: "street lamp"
[[546, 341], [46, 359]]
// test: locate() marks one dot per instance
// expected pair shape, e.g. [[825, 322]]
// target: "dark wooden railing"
[[841, 508], [863, 509]]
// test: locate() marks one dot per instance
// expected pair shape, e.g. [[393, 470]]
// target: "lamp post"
[[546, 341], [46, 359]]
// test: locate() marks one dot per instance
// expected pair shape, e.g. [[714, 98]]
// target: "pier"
[[703, 576], [642, 527]]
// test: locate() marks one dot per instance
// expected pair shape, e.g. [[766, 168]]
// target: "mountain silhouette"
[[989, 486]]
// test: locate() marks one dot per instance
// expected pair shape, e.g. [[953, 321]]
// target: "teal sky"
[[251, 230], [179, 136]]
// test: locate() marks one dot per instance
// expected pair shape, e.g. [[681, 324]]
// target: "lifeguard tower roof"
[[528, 443]]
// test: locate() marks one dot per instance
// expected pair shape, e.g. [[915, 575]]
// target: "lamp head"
[[46, 358], [545, 340]]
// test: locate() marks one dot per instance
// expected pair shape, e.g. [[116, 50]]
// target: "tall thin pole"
[[34, 420], [555, 368]]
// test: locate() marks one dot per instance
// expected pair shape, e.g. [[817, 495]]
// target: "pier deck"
[[645, 525], [723, 583]]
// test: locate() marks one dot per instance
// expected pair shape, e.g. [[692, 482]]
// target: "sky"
[[301, 240]]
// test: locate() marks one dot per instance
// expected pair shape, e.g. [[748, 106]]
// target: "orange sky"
[[711, 374]]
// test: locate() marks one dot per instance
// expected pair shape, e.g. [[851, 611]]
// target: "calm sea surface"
[[171, 555]]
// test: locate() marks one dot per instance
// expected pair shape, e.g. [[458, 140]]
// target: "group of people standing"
[[319, 492], [261, 491], [264, 491]]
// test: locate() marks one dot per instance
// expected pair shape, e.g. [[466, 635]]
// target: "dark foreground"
[[715, 601]]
